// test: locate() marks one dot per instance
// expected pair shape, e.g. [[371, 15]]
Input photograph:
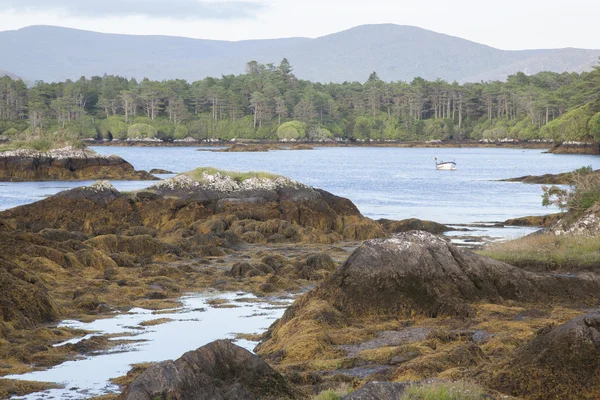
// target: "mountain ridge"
[[395, 52]]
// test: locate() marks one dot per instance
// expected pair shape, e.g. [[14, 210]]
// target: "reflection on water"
[[194, 324]]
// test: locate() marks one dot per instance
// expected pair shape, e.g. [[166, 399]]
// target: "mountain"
[[395, 52], [9, 74]]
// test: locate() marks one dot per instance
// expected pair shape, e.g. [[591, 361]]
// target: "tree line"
[[269, 102]]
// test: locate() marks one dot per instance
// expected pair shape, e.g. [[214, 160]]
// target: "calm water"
[[393, 183], [194, 324]]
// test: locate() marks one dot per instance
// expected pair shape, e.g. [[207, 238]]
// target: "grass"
[[40, 144], [548, 252], [443, 391], [198, 174], [333, 394]]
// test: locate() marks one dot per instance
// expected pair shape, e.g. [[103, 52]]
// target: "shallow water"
[[194, 324]]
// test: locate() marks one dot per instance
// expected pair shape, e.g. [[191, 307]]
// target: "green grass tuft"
[[443, 391], [198, 173]]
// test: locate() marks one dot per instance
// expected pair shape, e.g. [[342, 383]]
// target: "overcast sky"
[[505, 24]]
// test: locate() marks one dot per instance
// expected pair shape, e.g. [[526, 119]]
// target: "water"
[[394, 183], [194, 325]]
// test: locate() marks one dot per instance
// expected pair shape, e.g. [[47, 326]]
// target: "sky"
[[505, 24]]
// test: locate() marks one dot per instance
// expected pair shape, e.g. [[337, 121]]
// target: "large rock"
[[560, 363], [24, 302], [412, 273], [256, 210], [217, 371], [417, 272], [65, 164]]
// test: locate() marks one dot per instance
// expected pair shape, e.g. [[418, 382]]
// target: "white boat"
[[445, 165]]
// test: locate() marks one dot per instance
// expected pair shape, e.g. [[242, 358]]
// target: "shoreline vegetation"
[[269, 102]]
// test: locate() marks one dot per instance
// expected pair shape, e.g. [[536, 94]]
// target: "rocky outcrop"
[[564, 178], [416, 273], [576, 148], [413, 224], [536, 220], [257, 210], [217, 371], [560, 363], [65, 164], [586, 223]]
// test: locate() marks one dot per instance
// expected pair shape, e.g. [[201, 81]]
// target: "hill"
[[395, 52], [9, 74]]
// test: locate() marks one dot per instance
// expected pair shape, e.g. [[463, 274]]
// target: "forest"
[[268, 102]]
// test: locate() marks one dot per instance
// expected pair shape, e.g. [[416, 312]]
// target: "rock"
[[242, 269], [585, 223], [413, 224], [560, 363], [575, 148], [160, 171], [378, 391], [65, 164], [24, 302], [315, 266], [217, 371], [410, 274], [61, 235], [253, 210], [141, 245], [535, 220]]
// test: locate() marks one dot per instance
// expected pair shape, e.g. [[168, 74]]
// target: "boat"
[[445, 165]]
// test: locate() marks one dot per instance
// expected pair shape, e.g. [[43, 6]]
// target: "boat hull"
[[447, 166]]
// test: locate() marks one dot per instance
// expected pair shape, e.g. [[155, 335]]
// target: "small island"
[[63, 164]]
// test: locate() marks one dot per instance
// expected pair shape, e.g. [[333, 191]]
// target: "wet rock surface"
[[219, 370], [388, 338], [378, 391], [65, 164]]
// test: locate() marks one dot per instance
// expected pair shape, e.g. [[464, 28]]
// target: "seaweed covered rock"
[[24, 302], [560, 363], [65, 164], [413, 224], [218, 370], [257, 210], [410, 274]]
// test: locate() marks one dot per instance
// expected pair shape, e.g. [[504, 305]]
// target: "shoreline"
[[453, 144]]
